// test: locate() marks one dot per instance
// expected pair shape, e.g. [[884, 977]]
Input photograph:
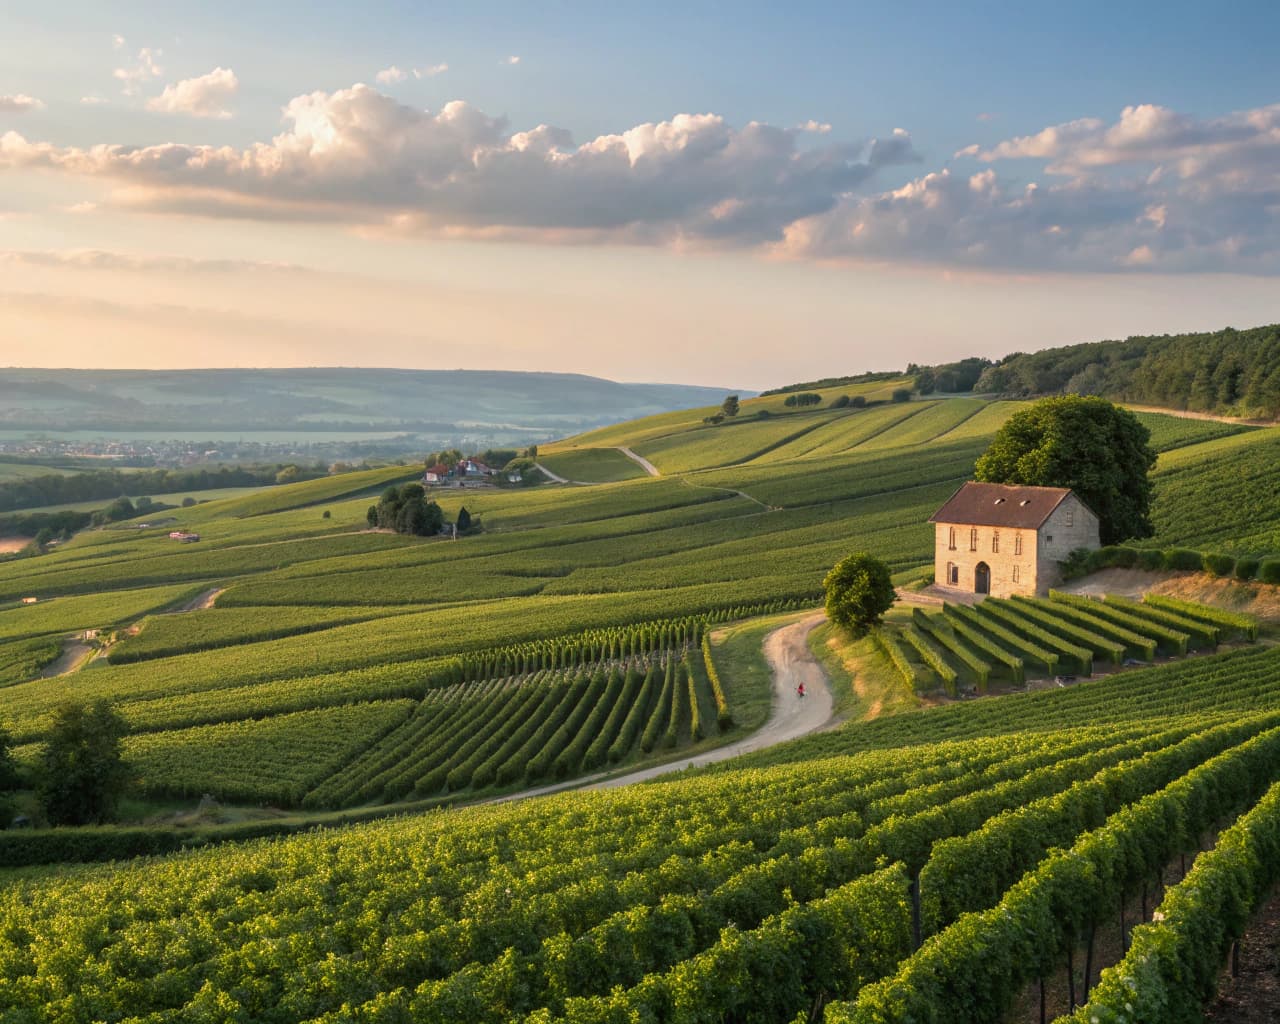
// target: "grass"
[[739, 657], [593, 465], [865, 685]]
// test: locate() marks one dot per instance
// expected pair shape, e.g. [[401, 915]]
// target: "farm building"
[[1004, 539]]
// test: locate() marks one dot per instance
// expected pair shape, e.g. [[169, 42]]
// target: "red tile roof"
[[1010, 505]]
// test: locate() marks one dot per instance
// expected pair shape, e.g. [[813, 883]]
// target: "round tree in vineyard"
[[859, 592], [1095, 448]]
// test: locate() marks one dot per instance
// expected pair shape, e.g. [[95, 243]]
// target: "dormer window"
[[999, 501], [1025, 502]]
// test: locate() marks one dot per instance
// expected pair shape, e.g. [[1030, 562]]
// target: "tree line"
[[72, 488]]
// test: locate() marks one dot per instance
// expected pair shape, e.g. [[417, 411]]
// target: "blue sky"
[[859, 161]]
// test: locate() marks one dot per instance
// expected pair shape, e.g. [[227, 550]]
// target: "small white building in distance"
[[1003, 539]]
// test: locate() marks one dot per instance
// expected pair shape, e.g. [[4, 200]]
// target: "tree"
[[900, 395], [9, 778], [926, 381], [287, 475], [371, 517], [730, 406], [82, 773], [464, 520], [859, 592], [1095, 448]]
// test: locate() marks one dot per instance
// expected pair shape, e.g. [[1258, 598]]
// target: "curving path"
[[640, 461], [787, 651]]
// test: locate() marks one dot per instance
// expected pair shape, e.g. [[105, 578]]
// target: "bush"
[[1078, 563], [1183, 560], [1246, 568], [901, 395], [1269, 571], [1114, 556], [858, 401], [1219, 565], [859, 591], [840, 402], [1151, 559]]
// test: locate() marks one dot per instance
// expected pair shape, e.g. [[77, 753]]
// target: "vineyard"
[[874, 884], [964, 648]]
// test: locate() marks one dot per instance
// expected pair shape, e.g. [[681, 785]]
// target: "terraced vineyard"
[[966, 647], [874, 884]]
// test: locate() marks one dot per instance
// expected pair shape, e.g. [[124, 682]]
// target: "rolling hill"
[[871, 868]]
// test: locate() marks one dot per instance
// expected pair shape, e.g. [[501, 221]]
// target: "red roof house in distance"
[[1006, 539]]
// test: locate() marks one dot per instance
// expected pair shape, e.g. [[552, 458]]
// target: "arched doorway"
[[982, 578]]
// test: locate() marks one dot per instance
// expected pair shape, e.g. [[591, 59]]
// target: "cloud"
[[986, 115], [816, 127], [19, 104], [117, 41], [205, 96], [138, 74], [1156, 190], [393, 74], [359, 157], [93, 101], [510, 60]]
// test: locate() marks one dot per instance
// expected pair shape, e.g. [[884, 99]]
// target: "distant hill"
[[330, 399]]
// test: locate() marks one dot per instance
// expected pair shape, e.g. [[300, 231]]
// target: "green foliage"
[[1227, 371], [1269, 571], [805, 398], [729, 407], [858, 593], [405, 509], [1182, 560], [1219, 565], [1097, 449], [1247, 568], [1173, 964], [900, 395], [82, 773]]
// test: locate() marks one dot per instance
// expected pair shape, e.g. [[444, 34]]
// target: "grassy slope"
[[593, 465], [553, 559]]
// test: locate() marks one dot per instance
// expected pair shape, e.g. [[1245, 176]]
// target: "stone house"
[[1003, 539]]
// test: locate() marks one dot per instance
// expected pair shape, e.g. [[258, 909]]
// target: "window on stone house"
[[1017, 543], [973, 540], [1015, 574], [995, 542], [952, 539], [1071, 517]]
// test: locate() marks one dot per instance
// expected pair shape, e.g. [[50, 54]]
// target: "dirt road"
[[555, 477], [640, 461], [72, 659], [787, 652]]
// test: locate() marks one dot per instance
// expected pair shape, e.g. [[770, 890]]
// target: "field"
[[591, 629]]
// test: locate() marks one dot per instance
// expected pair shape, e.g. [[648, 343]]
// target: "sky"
[[731, 194]]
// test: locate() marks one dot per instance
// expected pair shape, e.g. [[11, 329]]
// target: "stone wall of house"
[[1010, 555], [1020, 561], [1070, 526]]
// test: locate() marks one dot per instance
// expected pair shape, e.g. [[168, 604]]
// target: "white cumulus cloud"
[[20, 103], [205, 96], [360, 157], [513, 59], [1156, 190], [394, 74], [143, 69]]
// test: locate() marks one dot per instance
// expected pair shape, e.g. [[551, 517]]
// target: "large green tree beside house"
[[1095, 448]]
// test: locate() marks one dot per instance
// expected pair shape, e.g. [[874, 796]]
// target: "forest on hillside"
[[1227, 371], [1233, 372]]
